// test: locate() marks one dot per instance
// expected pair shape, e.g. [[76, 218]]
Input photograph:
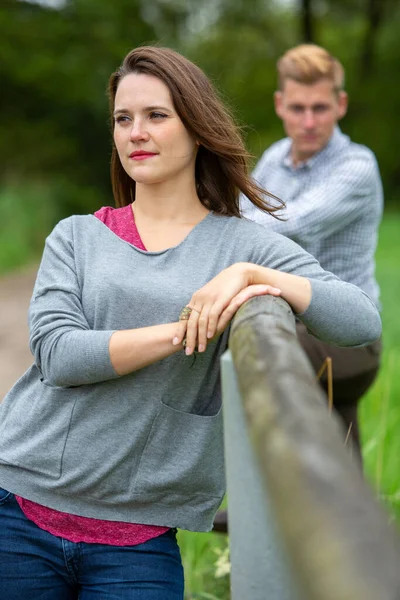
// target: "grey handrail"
[[336, 537]]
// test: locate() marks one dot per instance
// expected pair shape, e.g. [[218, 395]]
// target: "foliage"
[[55, 64], [201, 554], [28, 215], [247, 75]]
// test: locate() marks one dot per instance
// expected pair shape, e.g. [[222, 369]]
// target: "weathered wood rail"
[[303, 521]]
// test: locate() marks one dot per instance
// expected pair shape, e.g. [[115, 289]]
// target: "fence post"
[[336, 536], [259, 568]]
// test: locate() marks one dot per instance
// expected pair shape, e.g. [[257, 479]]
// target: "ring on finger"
[[186, 312]]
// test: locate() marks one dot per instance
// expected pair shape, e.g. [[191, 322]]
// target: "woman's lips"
[[141, 155]]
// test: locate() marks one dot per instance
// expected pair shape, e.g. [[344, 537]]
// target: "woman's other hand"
[[249, 292], [214, 305]]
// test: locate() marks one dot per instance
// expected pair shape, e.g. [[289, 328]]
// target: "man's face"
[[309, 113]]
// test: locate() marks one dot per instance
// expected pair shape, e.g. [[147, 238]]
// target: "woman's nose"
[[138, 131]]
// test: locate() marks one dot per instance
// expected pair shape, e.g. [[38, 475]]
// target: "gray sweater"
[[145, 447]]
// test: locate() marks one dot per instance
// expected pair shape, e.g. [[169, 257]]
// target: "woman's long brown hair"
[[221, 169]]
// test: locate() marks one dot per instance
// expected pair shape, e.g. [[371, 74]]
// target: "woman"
[[113, 439]]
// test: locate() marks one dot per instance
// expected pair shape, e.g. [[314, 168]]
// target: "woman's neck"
[[162, 205], [164, 217]]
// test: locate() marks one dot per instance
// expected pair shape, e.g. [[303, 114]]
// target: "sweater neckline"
[[210, 216]]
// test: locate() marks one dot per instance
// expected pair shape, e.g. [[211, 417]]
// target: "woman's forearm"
[[340, 313], [295, 290], [133, 349]]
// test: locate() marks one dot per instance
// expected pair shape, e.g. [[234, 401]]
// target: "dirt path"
[[15, 357]]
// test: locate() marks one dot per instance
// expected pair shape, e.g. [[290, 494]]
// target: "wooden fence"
[[304, 524]]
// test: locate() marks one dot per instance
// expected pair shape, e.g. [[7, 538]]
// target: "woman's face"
[[152, 143]]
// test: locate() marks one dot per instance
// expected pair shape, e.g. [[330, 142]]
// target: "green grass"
[[29, 213], [27, 216], [200, 552], [380, 409]]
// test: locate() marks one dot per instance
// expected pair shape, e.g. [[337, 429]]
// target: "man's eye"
[[320, 108], [297, 109]]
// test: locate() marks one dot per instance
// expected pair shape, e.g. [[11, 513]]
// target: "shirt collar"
[[332, 146]]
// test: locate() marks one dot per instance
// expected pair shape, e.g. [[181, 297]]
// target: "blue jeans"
[[36, 565]]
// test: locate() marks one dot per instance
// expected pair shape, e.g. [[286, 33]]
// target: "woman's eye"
[[157, 115], [121, 119]]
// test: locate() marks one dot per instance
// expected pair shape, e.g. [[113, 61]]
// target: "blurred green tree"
[[55, 64], [54, 68], [241, 46]]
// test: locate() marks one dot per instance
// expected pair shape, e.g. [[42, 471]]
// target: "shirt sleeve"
[[352, 187], [339, 313], [66, 351]]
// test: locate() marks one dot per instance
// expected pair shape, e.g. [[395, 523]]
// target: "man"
[[333, 195]]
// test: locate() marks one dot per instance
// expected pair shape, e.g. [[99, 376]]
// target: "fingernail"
[[188, 351], [209, 334], [175, 341], [201, 347]]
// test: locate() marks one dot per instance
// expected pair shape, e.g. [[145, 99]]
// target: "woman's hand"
[[214, 305], [249, 292]]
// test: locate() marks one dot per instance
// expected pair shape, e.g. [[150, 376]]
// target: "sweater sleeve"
[[339, 313], [66, 351]]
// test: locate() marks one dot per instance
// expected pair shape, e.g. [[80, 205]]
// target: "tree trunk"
[[375, 11], [307, 26]]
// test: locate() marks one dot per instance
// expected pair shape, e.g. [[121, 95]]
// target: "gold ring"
[[185, 313]]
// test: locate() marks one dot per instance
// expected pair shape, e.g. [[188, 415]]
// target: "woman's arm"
[[67, 351], [133, 349], [216, 302], [296, 290], [335, 311]]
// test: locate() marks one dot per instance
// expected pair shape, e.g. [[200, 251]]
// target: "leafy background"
[[55, 64]]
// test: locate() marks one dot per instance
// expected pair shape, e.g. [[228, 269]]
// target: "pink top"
[[121, 221], [83, 529]]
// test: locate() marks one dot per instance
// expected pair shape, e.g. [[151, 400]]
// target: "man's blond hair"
[[308, 63]]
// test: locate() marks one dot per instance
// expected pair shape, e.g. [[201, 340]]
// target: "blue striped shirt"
[[334, 205]]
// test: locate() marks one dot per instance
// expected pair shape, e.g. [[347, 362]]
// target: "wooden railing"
[[303, 522]]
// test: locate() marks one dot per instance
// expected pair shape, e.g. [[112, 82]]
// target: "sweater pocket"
[[183, 456], [34, 426]]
